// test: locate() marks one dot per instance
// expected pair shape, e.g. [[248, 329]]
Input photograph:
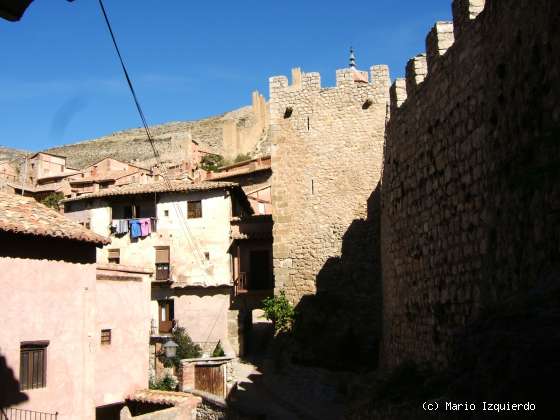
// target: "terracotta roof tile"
[[26, 216], [163, 397], [172, 186]]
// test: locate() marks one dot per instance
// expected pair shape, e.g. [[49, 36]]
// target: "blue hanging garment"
[[135, 229]]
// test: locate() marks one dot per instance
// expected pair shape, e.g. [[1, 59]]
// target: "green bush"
[[167, 383], [52, 200], [186, 349], [242, 157], [218, 351], [280, 311], [212, 162]]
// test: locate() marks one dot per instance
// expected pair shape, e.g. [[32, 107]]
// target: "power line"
[[191, 240]]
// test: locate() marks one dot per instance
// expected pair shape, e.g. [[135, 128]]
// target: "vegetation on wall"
[[242, 157], [218, 350], [53, 200], [212, 162], [280, 311]]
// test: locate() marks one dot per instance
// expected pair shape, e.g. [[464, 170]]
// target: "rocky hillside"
[[132, 145], [7, 153]]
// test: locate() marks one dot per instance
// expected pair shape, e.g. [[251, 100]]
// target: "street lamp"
[[170, 349]]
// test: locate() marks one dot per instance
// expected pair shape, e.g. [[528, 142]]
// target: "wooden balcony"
[[240, 284]]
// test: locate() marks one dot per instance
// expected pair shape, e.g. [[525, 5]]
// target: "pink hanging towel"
[[145, 226]]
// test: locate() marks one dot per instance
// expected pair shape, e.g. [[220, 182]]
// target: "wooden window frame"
[[106, 335], [163, 265], [166, 326], [194, 209], [114, 256], [33, 364]]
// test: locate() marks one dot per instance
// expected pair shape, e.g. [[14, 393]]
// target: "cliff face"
[[170, 139]]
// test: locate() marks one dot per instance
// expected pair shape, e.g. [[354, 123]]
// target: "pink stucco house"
[[74, 335]]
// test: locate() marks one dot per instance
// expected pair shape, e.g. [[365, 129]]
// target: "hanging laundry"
[[135, 229], [123, 226], [145, 226], [115, 226]]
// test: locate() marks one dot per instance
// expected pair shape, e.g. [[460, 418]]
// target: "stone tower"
[[327, 152]]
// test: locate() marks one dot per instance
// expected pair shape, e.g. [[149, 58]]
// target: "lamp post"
[[170, 348]]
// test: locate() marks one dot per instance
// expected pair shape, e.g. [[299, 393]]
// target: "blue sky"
[[60, 81]]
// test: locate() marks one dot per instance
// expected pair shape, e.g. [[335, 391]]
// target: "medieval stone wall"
[[470, 197], [327, 147], [326, 161], [242, 135]]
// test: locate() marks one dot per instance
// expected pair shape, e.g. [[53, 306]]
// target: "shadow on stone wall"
[[10, 394], [340, 326], [509, 355]]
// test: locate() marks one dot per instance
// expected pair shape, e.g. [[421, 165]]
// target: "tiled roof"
[[172, 186], [26, 216], [163, 397], [105, 176]]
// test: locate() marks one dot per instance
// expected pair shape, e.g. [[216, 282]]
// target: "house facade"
[[70, 344], [184, 237], [108, 172]]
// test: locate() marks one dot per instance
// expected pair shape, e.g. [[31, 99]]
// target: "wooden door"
[[210, 378], [166, 316]]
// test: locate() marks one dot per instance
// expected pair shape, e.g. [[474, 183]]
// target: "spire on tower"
[[352, 59]]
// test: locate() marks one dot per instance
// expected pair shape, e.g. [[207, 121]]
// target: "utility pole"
[[24, 177]]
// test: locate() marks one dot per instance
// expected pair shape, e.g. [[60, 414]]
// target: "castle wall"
[[243, 139], [327, 147], [326, 161], [470, 183]]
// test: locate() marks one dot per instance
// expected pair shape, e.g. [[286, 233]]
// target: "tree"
[[53, 200]]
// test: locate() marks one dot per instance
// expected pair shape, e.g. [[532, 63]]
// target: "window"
[[114, 256], [105, 336], [207, 256], [33, 365], [127, 212], [166, 316], [162, 263], [166, 213], [194, 209], [288, 112]]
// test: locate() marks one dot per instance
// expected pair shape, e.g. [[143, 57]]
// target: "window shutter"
[[162, 255], [194, 209], [114, 253]]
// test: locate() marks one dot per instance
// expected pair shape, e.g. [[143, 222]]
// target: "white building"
[[185, 236]]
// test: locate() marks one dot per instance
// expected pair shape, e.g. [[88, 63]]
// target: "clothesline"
[[138, 227]]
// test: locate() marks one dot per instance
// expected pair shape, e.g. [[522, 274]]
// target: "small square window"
[[166, 213], [162, 263], [114, 256], [194, 209], [105, 336], [207, 256]]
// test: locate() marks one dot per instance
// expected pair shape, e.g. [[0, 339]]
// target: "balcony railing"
[[240, 284], [19, 414]]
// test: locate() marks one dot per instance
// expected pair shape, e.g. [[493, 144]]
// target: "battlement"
[[439, 40], [464, 12], [377, 77]]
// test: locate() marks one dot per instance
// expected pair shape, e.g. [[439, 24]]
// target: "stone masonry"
[[327, 148], [470, 197], [326, 159]]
